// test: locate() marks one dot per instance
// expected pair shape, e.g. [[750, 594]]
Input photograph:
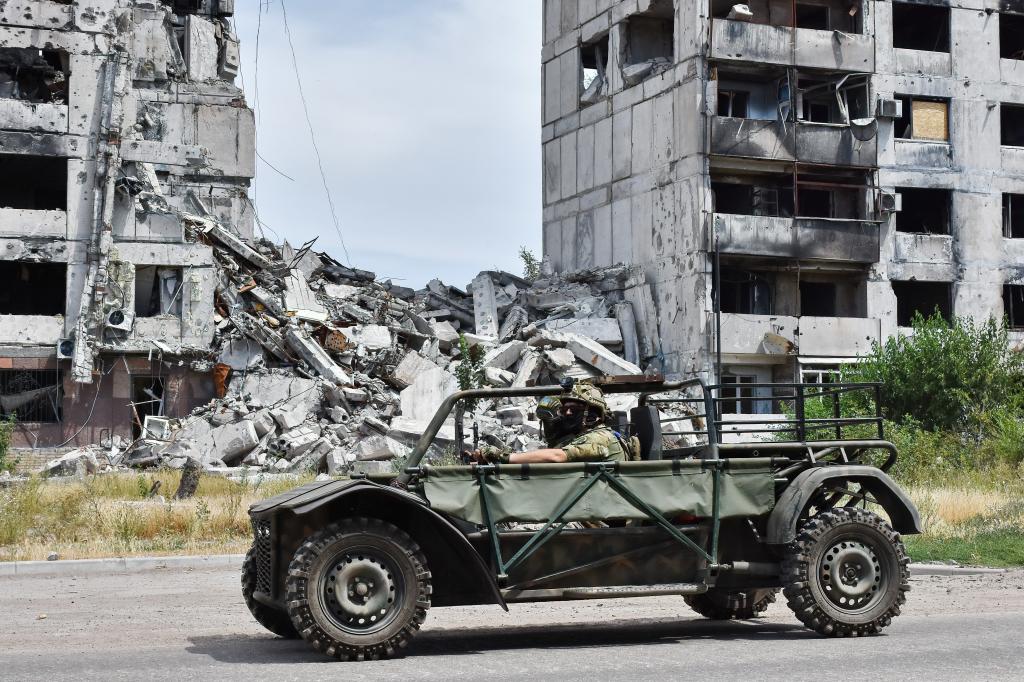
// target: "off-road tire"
[[876, 573], [723, 604], [276, 621], [332, 624]]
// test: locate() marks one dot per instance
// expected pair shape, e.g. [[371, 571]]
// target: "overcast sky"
[[427, 118]]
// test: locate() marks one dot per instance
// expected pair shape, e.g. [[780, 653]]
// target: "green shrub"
[[7, 463], [470, 370], [531, 264], [946, 376]]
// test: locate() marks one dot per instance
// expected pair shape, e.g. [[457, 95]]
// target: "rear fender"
[[782, 524], [460, 575]]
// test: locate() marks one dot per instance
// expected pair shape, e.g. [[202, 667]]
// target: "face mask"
[[559, 422]]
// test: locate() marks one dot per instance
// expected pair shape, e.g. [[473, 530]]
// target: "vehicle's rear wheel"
[[276, 621], [358, 589], [847, 573], [731, 604]]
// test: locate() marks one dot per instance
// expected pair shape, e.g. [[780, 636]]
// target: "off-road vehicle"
[[352, 566]]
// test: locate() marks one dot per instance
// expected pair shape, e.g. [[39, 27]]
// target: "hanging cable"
[[312, 135]]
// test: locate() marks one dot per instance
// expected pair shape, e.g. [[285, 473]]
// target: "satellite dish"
[[864, 129]]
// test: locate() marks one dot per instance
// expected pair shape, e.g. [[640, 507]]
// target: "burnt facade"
[[847, 164], [122, 137]]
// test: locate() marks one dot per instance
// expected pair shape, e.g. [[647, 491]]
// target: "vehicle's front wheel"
[[272, 619], [730, 604], [358, 589], [846, 574]]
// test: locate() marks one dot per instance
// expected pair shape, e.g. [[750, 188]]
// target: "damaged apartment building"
[[122, 130], [797, 179]]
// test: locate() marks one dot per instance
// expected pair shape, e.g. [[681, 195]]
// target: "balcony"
[[787, 46], [844, 337], [924, 248], [924, 62], [819, 143], [31, 330], [33, 117], [16, 222], [801, 238]]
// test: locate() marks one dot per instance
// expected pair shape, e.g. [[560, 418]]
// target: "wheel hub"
[[851, 575], [360, 592]]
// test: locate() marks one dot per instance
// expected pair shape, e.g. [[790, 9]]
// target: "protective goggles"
[[551, 407]]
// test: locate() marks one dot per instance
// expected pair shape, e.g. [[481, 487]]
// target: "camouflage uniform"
[[597, 445]]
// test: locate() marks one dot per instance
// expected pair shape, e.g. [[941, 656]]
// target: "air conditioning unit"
[[889, 202], [65, 349], [890, 108], [121, 320]]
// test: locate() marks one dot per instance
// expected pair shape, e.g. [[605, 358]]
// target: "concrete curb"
[[139, 564], [117, 565], [941, 570]]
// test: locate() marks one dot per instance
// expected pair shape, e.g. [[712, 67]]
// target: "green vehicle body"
[[723, 524]]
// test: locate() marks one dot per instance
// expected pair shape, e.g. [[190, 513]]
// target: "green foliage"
[[470, 370], [531, 264], [945, 376], [7, 463]]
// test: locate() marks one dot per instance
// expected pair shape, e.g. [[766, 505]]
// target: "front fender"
[[460, 574], [782, 524]]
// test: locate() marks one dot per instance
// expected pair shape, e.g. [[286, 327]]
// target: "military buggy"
[[352, 566]]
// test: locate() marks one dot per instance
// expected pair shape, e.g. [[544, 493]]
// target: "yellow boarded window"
[[930, 120]]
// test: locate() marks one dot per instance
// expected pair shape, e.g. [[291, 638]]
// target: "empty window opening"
[[147, 401], [650, 42], [920, 27], [32, 288], [34, 183], [815, 203], [733, 103], [1011, 118], [32, 395], [34, 75], [745, 293], [818, 299], [812, 16], [158, 291], [924, 210], [742, 199], [923, 119], [925, 298], [594, 64], [1013, 216], [1011, 36], [1013, 302], [737, 394]]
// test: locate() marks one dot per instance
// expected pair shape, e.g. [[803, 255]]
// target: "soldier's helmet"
[[589, 394]]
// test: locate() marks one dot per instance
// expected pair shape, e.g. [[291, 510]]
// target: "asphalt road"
[[179, 624]]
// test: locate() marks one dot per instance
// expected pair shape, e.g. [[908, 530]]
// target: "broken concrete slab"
[[233, 441], [422, 398], [299, 300], [379, 448], [370, 336], [604, 330], [505, 355], [627, 327], [599, 357], [412, 365], [317, 358], [485, 306], [289, 418], [529, 369], [499, 378]]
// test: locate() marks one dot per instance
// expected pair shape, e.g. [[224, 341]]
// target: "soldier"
[[574, 429]]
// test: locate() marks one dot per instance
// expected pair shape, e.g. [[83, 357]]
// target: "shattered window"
[[1011, 36], [926, 298], [47, 283], [158, 290], [147, 401], [920, 27], [1013, 302], [737, 394], [33, 183], [34, 75], [1013, 216], [733, 103], [1012, 125], [31, 395], [594, 63], [924, 210], [818, 299], [745, 293], [650, 42]]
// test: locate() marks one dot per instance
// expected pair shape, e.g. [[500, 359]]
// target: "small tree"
[[6, 431], [531, 264], [470, 370], [946, 375]]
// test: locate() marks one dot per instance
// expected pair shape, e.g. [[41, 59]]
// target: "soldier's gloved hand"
[[491, 454]]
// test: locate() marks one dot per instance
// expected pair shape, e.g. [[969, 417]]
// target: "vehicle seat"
[[646, 425]]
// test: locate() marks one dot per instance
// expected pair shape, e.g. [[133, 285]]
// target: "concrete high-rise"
[[852, 162]]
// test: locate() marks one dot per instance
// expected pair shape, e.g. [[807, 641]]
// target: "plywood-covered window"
[[923, 119]]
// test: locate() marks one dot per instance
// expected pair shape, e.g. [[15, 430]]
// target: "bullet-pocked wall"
[[852, 164], [119, 119]]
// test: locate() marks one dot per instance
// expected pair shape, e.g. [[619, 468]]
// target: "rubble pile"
[[321, 367]]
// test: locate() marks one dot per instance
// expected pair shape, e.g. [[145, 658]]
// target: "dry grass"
[[104, 516]]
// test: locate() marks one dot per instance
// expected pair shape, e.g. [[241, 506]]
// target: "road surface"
[[192, 625]]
